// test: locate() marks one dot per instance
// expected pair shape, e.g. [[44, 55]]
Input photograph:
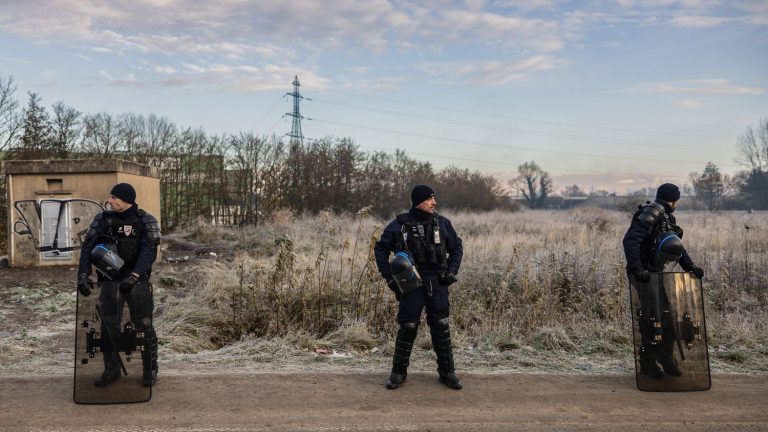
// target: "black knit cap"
[[421, 193], [668, 192], [125, 192]]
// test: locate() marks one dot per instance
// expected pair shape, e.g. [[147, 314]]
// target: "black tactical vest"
[[665, 223], [422, 238], [126, 231]]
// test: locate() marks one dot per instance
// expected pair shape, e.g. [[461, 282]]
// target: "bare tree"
[[533, 183], [66, 129], [101, 135], [601, 193], [131, 132], [254, 170], [711, 186], [752, 147], [10, 119], [573, 191]]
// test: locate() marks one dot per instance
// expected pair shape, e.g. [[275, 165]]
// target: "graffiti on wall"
[[56, 227]]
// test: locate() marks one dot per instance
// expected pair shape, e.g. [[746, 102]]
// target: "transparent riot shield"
[[98, 343], [670, 336], [81, 212], [30, 220], [57, 227]]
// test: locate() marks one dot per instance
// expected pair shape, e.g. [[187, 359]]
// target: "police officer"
[[136, 235], [652, 223], [435, 248]]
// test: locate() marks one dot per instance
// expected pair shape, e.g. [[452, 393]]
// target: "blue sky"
[[616, 95]]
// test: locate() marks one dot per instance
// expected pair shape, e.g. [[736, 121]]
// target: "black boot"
[[648, 364], [651, 369], [441, 341], [149, 358], [403, 347], [450, 379], [111, 372], [670, 368], [395, 380], [666, 350]]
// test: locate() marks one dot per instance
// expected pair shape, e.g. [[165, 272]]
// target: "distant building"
[[51, 204]]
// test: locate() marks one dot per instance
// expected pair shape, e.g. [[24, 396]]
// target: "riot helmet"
[[669, 250], [404, 272], [106, 260]]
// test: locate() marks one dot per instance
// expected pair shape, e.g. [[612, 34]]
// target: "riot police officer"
[[430, 242], [134, 235], [653, 228]]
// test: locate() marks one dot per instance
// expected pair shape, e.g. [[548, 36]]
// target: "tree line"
[[241, 178], [236, 178]]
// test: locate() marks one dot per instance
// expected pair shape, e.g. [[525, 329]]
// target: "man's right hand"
[[643, 276], [83, 285], [396, 289]]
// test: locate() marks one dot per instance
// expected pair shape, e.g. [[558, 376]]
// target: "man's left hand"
[[698, 272], [447, 279], [127, 284]]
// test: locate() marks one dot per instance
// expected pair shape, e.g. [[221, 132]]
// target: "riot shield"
[[96, 341], [669, 333], [81, 212], [57, 227]]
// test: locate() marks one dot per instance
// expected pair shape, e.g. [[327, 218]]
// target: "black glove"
[[396, 289], [126, 285], [83, 285], [643, 276], [447, 279], [697, 271]]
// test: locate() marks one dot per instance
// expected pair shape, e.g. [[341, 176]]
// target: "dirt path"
[[322, 402]]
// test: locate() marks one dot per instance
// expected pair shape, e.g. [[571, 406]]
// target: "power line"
[[507, 147], [496, 162], [504, 116], [626, 141], [271, 110]]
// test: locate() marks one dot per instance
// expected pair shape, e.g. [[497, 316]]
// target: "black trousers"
[[654, 307], [140, 306], [433, 296]]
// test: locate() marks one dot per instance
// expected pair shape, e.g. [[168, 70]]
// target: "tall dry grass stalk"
[[548, 280]]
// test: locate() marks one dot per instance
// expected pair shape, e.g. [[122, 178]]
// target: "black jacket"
[[640, 241], [136, 233], [392, 236]]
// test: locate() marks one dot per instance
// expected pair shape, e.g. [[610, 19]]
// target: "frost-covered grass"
[[539, 291]]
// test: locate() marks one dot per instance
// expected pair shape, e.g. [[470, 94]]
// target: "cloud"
[[373, 85], [655, 4], [164, 69], [490, 73], [688, 103], [497, 29], [699, 21], [526, 5], [228, 26], [246, 78], [699, 87]]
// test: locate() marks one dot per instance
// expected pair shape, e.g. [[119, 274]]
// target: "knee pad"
[[441, 324], [144, 324], [409, 328]]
